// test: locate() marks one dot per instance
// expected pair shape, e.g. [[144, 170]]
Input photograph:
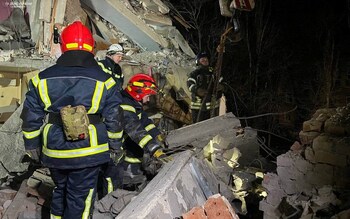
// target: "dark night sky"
[[285, 66]]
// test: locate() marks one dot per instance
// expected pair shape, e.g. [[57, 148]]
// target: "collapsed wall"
[[313, 177]]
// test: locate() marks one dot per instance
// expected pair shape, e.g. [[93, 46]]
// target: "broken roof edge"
[[149, 37], [121, 17]]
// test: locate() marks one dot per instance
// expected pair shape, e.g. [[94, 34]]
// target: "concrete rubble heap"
[[313, 178], [181, 188]]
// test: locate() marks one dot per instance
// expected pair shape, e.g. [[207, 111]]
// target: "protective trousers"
[[111, 178], [74, 194]]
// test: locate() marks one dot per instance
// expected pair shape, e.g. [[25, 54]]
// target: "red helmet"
[[76, 36], [141, 85]]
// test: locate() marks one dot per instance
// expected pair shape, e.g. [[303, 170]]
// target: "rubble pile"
[[313, 178]]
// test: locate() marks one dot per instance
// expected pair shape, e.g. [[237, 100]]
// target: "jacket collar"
[[77, 58]]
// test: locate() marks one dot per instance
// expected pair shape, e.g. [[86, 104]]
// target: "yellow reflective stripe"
[[30, 135], [71, 45], [138, 84], [115, 135], [132, 160], [145, 140], [139, 115], [88, 200], [92, 135], [97, 97], [82, 152], [110, 83], [87, 46], [46, 130], [109, 185], [128, 108], [44, 93], [104, 68], [36, 80], [149, 127], [55, 216]]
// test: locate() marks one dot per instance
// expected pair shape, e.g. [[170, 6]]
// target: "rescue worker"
[[139, 86], [84, 122], [111, 62], [200, 85]]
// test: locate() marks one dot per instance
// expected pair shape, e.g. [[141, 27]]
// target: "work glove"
[[117, 155], [162, 140], [34, 154], [162, 157], [201, 92]]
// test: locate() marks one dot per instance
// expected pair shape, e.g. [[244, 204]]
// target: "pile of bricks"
[[318, 165]]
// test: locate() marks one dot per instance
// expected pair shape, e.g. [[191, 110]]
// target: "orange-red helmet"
[[76, 36], [141, 85]]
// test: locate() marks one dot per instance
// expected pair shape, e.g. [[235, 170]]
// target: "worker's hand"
[[162, 140], [161, 156], [34, 154], [117, 155], [201, 92]]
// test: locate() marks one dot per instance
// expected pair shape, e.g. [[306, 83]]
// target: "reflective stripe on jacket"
[[114, 69], [138, 126], [59, 86]]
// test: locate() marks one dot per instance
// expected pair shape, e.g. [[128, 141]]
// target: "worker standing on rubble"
[[84, 122], [139, 86], [200, 83], [111, 62]]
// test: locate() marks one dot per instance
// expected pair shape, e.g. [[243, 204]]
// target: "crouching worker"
[[84, 118], [140, 134]]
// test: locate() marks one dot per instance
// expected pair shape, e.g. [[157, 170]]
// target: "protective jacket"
[[114, 69], [200, 79], [138, 126], [73, 81]]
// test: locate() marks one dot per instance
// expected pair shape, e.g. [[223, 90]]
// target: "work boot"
[[133, 174]]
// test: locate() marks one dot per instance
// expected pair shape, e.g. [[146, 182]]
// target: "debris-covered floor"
[[217, 170]]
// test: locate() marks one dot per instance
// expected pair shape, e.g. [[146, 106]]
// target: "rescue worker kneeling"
[[85, 122], [141, 135]]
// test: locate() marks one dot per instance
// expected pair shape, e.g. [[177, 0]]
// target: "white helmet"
[[115, 49]]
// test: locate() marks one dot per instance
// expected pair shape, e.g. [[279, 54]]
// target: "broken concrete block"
[[271, 181], [199, 134], [310, 154], [335, 145], [312, 126], [275, 196], [12, 146], [331, 158], [307, 137], [321, 175], [7, 194], [180, 185]]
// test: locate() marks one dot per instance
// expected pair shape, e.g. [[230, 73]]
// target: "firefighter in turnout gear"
[[200, 83], [111, 62], [140, 134], [74, 94]]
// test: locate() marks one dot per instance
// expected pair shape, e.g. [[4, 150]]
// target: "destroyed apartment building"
[[217, 170]]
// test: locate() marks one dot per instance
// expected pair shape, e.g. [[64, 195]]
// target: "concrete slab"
[[117, 14], [199, 134], [181, 185]]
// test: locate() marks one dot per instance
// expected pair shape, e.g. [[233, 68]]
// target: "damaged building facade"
[[216, 164]]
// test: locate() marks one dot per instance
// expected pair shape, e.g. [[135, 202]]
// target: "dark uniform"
[[199, 81], [112, 68], [140, 135], [76, 79]]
